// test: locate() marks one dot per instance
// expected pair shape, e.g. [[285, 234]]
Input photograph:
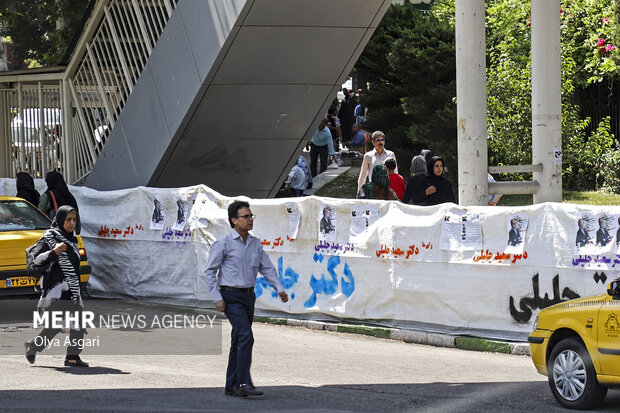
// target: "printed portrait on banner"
[[595, 234], [158, 216], [584, 227], [182, 215], [327, 223], [605, 233], [516, 227]]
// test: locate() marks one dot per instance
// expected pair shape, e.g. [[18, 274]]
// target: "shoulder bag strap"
[[54, 201]]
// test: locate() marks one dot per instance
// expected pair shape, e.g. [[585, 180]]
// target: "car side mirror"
[[613, 288]]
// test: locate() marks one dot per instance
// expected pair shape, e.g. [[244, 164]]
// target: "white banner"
[[483, 271]]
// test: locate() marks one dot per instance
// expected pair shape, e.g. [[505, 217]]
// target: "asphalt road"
[[299, 369]]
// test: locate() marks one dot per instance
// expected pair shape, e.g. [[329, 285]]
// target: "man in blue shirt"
[[234, 261], [320, 145], [358, 142]]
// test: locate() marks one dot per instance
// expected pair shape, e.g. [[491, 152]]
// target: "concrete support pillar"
[[546, 99], [471, 101]]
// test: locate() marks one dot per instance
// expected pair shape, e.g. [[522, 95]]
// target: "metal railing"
[[61, 121], [31, 127]]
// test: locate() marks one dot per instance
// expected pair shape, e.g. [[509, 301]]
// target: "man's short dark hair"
[[233, 210], [390, 163]]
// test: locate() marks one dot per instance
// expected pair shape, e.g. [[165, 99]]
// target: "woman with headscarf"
[[57, 195], [415, 193], [25, 188], [303, 164], [427, 154], [296, 180], [379, 187], [440, 189], [60, 285]]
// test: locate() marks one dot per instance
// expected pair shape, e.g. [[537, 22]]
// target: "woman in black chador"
[[440, 188], [57, 195], [60, 286], [25, 188]]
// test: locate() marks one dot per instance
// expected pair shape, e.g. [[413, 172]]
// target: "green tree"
[[584, 60], [425, 60], [588, 39], [41, 31], [409, 63], [410, 66]]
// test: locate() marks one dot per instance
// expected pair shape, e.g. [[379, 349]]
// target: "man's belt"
[[246, 290]]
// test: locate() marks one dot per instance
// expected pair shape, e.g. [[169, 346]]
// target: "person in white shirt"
[[375, 157], [296, 180]]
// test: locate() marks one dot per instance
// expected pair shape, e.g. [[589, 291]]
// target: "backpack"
[[34, 270]]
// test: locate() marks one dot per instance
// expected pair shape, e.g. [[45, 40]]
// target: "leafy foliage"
[[410, 66], [610, 170], [588, 29], [509, 86], [41, 31], [583, 157]]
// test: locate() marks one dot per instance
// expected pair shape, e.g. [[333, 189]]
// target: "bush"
[[583, 156], [610, 171]]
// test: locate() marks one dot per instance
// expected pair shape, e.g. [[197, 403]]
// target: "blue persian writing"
[[288, 278], [170, 234], [329, 286], [595, 260], [323, 285], [335, 248]]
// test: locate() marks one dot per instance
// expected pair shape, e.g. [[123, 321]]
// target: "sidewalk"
[[326, 177], [408, 336]]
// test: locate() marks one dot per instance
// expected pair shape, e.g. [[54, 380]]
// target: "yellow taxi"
[[21, 225], [576, 344]]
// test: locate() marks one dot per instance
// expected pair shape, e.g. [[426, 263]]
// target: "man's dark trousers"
[[240, 312], [316, 153]]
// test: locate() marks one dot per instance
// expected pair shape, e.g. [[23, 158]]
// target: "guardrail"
[[514, 187]]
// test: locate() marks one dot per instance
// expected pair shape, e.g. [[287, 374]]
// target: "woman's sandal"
[[75, 362], [30, 352]]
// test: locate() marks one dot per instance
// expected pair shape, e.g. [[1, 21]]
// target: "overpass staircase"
[[172, 93]]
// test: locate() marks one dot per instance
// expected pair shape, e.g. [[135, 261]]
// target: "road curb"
[[408, 336]]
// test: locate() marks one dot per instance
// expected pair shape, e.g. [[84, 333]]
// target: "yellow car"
[[576, 344], [21, 225]]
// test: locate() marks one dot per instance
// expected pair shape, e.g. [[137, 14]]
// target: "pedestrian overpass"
[[173, 93]]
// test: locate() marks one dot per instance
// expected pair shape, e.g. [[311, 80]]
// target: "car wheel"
[[572, 377]]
